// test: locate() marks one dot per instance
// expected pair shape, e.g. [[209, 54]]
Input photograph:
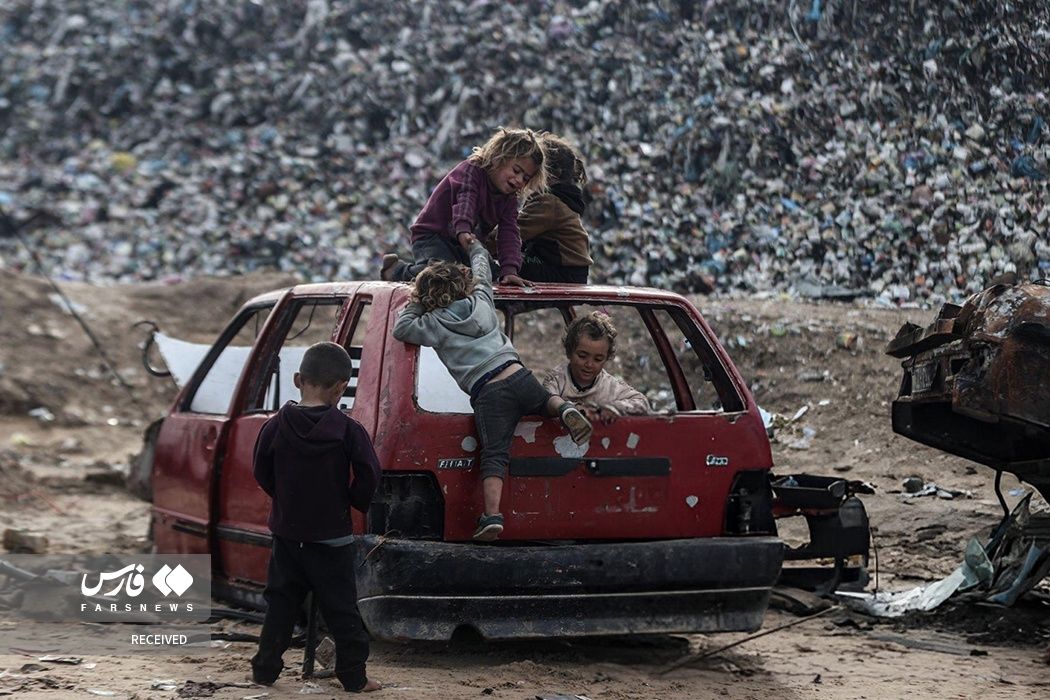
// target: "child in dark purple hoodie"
[[304, 457]]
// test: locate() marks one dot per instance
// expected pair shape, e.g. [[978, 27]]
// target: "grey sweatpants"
[[497, 410]]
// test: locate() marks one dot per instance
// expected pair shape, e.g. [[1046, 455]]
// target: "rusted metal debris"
[[975, 381]]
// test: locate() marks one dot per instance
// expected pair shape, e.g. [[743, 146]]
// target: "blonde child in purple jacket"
[[478, 195]]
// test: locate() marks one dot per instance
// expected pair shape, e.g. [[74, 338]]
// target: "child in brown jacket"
[[556, 245]]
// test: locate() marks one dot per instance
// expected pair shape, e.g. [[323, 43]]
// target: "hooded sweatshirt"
[[304, 457], [466, 334]]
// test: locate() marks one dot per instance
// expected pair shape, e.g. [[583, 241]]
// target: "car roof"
[[541, 291]]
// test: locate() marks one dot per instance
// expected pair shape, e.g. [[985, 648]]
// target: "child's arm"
[[626, 400], [508, 245], [541, 215], [263, 457], [479, 264], [413, 325], [465, 200], [534, 219], [365, 466]]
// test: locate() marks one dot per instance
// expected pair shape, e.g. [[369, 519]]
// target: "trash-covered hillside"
[[895, 149]]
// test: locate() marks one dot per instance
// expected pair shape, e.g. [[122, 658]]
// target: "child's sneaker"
[[489, 527], [390, 263], [577, 424]]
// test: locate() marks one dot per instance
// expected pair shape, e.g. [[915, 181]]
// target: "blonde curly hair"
[[441, 283], [511, 144]]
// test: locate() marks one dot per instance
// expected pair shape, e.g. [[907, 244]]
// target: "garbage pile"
[[828, 149]]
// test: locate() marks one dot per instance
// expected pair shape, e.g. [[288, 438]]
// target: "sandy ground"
[[61, 477]]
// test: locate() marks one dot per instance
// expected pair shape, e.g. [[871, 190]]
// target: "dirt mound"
[[50, 366], [789, 352]]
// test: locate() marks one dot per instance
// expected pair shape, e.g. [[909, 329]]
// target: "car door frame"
[[244, 539], [191, 447]]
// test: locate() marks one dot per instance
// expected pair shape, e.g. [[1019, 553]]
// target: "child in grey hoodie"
[[452, 310]]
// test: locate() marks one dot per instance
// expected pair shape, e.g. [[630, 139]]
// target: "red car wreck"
[[661, 523]]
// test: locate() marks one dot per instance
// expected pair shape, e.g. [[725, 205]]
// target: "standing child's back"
[[303, 459], [315, 462]]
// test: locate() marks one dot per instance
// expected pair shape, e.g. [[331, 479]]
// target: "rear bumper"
[[411, 589]]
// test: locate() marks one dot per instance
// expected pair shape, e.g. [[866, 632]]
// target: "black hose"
[[148, 345], [999, 493]]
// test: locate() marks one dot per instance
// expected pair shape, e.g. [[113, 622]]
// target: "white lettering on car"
[[455, 462]]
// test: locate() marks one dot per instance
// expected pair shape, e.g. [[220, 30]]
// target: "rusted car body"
[[977, 381], [661, 523]]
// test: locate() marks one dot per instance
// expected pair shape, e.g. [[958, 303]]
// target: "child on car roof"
[[452, 310], [557, 246], [479, 194]]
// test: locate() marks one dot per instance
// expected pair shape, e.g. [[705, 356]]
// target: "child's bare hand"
[[592, 414], [597, 414], [465, 240], [515, 280]]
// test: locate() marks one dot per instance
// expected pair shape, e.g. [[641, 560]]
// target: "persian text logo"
[[162, 595], [130, 579]]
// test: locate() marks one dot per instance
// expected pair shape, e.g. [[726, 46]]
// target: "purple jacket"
[[465, 200], [304, 459]]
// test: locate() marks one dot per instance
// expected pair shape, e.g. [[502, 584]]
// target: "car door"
[[191, 439], [243, 538]]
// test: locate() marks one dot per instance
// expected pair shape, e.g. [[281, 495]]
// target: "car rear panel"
[[640, 477], [645, 477]]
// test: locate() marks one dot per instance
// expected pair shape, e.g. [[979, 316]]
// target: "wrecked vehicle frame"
[[662, 523], [974, 382]]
